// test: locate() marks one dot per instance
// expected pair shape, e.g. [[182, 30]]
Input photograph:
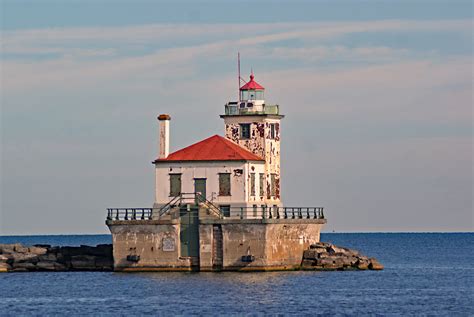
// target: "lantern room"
[[252, 91]]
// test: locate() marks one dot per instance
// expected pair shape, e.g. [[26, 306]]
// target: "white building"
[[217, 202], [238, 173]]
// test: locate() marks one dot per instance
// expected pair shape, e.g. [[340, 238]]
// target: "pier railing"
[[261, 212], [273, 212], [222, 211], [129, 213]]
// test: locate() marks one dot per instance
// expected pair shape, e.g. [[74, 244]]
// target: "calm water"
[[425, 274]]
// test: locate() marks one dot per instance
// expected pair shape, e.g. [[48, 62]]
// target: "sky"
[[377, 98]]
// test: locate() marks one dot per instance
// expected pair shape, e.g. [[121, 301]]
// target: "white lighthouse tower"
[[255, 125]]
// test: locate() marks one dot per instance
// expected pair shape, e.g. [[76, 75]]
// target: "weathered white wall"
[[261, 145], [240, 181]]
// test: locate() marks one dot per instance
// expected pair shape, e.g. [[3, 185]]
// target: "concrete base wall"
[[147, 241], [270, 244]]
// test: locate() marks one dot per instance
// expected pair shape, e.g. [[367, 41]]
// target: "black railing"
[[254, 212], [274, 212], [129, 213]]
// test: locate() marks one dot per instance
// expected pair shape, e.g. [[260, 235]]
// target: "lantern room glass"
[[251, 94]]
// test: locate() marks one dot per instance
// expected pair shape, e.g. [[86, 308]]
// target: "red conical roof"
[[215, 148], [252, 85]]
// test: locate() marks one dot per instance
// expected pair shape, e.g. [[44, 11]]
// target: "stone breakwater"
[[19, 258], [326, 256]]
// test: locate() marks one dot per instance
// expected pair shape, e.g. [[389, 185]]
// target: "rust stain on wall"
[[262, 144]]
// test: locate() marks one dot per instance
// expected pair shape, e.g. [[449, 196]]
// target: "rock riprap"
[[327, 256], [20, 258]]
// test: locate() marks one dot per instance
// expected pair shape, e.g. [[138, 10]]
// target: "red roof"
[[252, 84], [215, 148]]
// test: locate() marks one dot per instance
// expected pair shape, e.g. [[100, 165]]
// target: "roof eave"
[[180, 161]]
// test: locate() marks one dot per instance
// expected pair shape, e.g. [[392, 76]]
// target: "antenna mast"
[[238, 69]]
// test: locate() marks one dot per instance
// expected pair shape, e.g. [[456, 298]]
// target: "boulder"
[[319, 250], [322, 245], [54, 250], [5, 267], [50, 266], [8, 248], [83, 262], [362, 264], [349, 261], [336, 250], [48, 257], [310, 254], [104, 263], [4, 258], [330, 260], [25, 257], [307, 263], [19, 269], [60, 267], [37, 250], [332, 266], [324, 256], [46, 246], [105, 250], [375, 265], [45, 266], [20, 249], [24, 265]]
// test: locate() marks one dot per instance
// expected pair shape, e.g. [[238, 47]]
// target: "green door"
[[189, 233], [200, 187]]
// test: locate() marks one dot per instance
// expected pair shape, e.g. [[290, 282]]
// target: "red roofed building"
[[240, 170], [218, 201]]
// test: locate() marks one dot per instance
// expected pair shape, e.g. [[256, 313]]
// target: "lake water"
[[425, 274]]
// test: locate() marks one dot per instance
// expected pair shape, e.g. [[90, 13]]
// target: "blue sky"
[[377, 97]]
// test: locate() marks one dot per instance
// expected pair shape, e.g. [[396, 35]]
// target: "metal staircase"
[[189, 198]]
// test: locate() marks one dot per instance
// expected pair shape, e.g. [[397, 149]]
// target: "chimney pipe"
[[164, 120]]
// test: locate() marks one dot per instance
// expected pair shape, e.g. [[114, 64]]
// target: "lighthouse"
[[218, 202], [255, 126]]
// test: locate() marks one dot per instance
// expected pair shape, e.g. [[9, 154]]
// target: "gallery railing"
[[233, 110]]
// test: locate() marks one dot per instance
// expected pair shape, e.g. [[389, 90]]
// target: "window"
[[273, 185], [225, 209], [175, 185], [252, 184], [251, 95], [245, 131], [262, 184], [272, 131], [224, 184]]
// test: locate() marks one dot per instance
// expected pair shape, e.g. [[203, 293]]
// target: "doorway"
[[189, 231], [200, 187]]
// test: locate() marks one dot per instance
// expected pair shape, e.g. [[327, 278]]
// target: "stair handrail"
[[167, 207], [197, 197], [209, 205]]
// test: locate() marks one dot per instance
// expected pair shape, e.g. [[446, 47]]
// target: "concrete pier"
[[219, 244]]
